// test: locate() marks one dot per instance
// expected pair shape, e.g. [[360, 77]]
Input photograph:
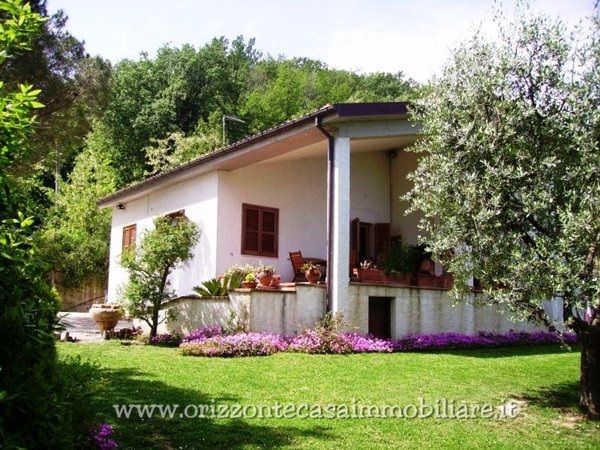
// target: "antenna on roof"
[[234, 118]]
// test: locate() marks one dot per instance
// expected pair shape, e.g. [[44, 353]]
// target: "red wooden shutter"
[[268, 232], [129, 236], [260, 230], [250, 230], [382, 239]]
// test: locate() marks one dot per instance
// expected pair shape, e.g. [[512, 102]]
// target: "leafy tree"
[[174, 93], [281, 89], [75, 238], [509, 182], [35, 408], [73, 88], [168, 246]]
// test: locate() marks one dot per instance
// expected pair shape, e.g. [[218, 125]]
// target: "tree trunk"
[[590, 371], [154, 327]]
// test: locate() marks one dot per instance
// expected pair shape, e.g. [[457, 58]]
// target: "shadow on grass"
[[559, 396], [507, 352], [184, 430]]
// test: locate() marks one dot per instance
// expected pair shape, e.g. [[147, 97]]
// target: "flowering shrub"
[[328, 338], [204, 333], [450, 341], [102, 437], [166, 340], [310, 341], [244, 344]]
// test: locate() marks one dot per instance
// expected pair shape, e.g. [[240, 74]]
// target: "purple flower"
[[166, 340], [102, 437], [243, 344], [204, 333], [210, 341]]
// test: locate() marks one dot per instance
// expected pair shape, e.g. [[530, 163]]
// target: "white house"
[[299, 186]]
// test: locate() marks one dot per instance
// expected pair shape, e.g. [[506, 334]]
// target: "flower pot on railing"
[[313, 275], [445, 281], [276, 281], [427, 280], [403, 280], [264, 278], [370, 275]]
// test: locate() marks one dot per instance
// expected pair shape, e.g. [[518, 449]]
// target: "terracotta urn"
[[265, 278], [249, 284], [313, 275], [276, 281], [106, 316]]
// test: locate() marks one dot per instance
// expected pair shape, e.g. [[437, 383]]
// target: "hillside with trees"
[[106, 127]]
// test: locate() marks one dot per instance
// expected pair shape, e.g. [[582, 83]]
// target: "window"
[[260, 230], [129, 235], [177, 216]]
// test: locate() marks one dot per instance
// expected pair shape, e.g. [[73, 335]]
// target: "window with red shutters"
[[260, 230], [129, 235]]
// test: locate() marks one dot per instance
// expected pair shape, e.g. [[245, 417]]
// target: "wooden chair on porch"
[[297, 262]]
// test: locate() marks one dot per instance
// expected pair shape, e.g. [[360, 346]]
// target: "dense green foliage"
[[35, 394], [73, 88], [510, 179], [75, 238], [546, 387], [161, 250]]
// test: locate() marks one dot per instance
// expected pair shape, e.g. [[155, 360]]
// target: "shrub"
[[166, 340], [102, 437], [202, 333], [244, 344], [328, 338], [219, 287]]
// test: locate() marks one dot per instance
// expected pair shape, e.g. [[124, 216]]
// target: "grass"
[[543, 379]]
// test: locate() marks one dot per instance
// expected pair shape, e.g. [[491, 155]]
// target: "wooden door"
[[380, 317]]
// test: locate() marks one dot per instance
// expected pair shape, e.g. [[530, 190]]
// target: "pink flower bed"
[[210, 341]]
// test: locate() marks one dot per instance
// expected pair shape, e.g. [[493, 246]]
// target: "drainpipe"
[[330, 192]]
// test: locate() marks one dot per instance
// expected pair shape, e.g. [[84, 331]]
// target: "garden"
[[542, 380], [274, 391]]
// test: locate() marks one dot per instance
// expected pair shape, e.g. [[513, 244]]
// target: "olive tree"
[[509, 179], [161, 250]]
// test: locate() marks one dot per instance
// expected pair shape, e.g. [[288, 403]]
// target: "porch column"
[[339, 270]]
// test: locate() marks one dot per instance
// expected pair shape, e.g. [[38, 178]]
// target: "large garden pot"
[[264, 278], [106, 316], [313, 275]]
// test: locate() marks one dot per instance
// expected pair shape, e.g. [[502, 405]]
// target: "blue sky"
[[362, 35]]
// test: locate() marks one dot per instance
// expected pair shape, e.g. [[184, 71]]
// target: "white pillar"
[[339, 270]]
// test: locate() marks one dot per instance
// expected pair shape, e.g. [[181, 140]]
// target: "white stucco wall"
[[286, 312], [297, 188], [369, 187], [428, 311], [403, 225], [198, 197]]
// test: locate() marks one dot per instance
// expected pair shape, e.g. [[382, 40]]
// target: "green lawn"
[[543, 378]]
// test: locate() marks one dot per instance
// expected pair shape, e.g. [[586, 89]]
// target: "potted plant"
[[249, 281], [265, 274], [312, 272], [276, 281], [401, 263], [368, 271]]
